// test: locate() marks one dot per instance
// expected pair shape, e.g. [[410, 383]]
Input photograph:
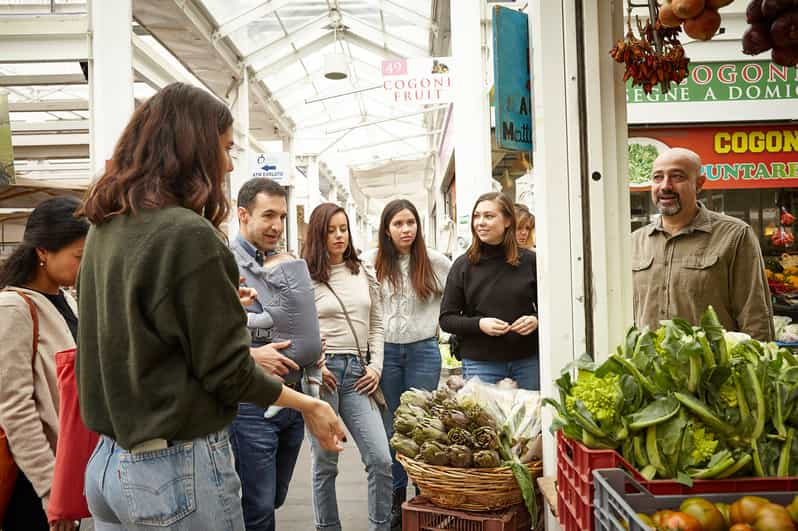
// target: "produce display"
[[749, 513], [641, 162], [782, 275], [688, 402], [653, 56], [774, 27], [699, 18], [472, 425]]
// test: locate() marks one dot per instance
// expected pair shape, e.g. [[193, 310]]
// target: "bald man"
[[690, 257]]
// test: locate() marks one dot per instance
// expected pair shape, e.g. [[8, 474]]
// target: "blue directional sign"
[[512, 80]]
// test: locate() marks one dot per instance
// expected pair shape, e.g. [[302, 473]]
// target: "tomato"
[[659, 518], [705, 512], [744, 510], [772, 517], [679, 521], [724, 510], [646, 519], [741, 527], [793, 509]]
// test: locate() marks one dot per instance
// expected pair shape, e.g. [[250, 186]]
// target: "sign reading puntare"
[[424, 81], [732, 157], [512, 79], [274, 166]]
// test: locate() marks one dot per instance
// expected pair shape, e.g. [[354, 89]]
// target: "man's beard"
[[672, 210]]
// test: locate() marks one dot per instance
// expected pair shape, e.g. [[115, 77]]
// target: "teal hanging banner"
[[512, 82]]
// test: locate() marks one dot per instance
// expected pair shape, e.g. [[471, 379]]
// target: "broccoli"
[[599, 395]]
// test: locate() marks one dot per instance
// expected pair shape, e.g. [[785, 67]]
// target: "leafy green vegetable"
[[641, 162]]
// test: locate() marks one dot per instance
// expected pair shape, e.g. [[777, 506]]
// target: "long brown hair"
[[509, 243], [168, 155], [387, 263], [315, 252]]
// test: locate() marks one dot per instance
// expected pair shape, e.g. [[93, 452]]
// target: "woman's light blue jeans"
[[191, 486], [364, 422], [525, 372], [407, 365]]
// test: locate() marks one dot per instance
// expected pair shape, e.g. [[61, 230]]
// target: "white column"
[[314, 193], [110, 77], [472, 115], [558, 216], [241, 172], [332, 195], [610, 223], [292, 226]]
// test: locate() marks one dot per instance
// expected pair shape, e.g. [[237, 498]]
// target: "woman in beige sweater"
[[47, 259], [349, 306]]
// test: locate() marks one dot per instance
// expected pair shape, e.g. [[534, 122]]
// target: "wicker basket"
[[467, 489]]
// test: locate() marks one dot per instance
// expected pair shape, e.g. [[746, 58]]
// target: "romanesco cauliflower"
[[600, 395], [704, 445]]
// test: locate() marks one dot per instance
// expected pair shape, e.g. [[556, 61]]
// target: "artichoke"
[[404, 445], [455, 382], [486, 459], [479, 417], [431, 422], [439, 396], [460, 456], [404, 424], [412, 411], [461, 437], [423, 433], [416, 397], [434, 453], [454, 418], [486, 438]]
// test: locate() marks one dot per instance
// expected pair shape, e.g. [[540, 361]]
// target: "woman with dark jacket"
[[165, 355], [490, 299], [46, 261]]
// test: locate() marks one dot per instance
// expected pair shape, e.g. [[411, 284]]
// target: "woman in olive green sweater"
[[164, 353]]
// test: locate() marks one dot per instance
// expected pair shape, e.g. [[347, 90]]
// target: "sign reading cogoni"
[[728, 81], [426, 80], [738, 157]]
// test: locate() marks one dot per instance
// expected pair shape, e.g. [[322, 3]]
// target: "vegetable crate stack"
[[690, 409], [623, 504], [471, 446]]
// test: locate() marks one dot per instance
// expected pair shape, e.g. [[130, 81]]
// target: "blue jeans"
[[407, 365], [266, 451], [525, 372], [364, 422], [189, 486]]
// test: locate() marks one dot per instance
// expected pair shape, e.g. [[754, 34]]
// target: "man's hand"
[[493, 327], [368, 383], [271, 360], [247, 296], [525, 325], [329, 380], [322, 421]]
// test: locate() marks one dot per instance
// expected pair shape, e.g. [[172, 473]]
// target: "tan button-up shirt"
[[716, 260]]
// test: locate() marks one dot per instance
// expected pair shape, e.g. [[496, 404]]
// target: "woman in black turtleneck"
[[490, 299]]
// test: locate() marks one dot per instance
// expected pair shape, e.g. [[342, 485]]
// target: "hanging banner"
[[732, 157], [426, 80], [512, 80], [274, 166], [6, 151]]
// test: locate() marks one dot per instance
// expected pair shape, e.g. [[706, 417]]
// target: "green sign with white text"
[[6, 153], [727, 81]]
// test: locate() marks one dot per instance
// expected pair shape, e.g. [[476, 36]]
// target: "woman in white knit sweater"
[[350, 319], [412, 278]]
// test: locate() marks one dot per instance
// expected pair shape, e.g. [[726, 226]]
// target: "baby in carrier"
[[289, 313]]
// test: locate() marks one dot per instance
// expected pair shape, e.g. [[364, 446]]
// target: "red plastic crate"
[[419, 514], [575, 491]]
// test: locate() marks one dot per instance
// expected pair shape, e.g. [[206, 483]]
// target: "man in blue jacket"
[[266, 444]]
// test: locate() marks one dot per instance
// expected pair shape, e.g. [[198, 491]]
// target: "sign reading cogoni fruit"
[[421, 81], [735, 157], [726, 81]]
